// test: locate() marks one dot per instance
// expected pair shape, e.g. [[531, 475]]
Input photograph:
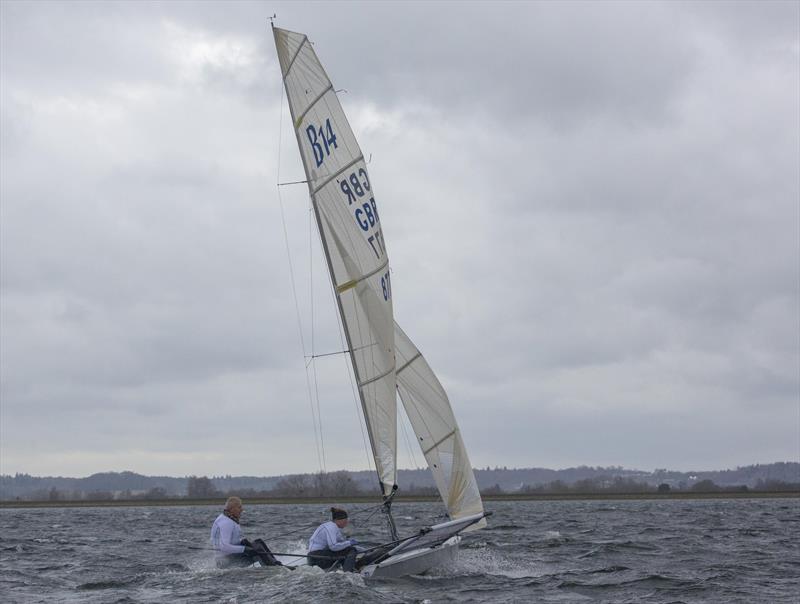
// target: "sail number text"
[[386, 284], [328, 141], [356, 189]]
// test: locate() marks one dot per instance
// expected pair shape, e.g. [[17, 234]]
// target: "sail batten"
[[339, 173], [299, 120], [439, 442], [296, 54], [351, 284], [376, 378], [408, 362]]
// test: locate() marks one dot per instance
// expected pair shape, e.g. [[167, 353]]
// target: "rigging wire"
[[370, 458], [433, 386], [408, 441], [311, 295], [360, 418], [351, 513], [348, 371], [317, 431]]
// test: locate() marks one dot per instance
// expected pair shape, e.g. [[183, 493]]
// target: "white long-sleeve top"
[[328, 536], [225, 536]]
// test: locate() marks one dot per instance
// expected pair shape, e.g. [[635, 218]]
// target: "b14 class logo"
[[324, 134]]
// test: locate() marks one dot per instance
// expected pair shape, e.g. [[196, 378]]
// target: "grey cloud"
[[564, 63], [591, 211]]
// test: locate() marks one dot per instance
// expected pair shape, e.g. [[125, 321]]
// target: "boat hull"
[[414, 562]]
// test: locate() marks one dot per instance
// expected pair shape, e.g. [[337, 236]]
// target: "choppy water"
[[743, 550]]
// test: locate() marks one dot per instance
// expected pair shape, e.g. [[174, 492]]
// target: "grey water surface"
[[737, 550]]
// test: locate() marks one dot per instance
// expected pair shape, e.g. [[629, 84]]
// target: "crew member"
[[328, 545], [229, 547]]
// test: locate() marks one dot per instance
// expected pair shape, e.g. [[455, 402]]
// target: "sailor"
[[229, 547], [328, 545]]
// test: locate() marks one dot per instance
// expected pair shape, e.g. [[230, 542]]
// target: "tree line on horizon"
[[341, 484]]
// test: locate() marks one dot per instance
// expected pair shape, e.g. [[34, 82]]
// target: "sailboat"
[[385, 361]]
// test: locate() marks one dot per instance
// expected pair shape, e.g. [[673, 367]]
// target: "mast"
[[352, 240]]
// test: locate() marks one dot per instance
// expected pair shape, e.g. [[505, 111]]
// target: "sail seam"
[[407, 363], [438, 442], [296, 54], [337, 173], [340, 289], [299, 120], [378, 377]]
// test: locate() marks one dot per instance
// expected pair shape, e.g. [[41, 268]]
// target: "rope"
[[356, 399], [352, 513], [408, 443], [314, 421], [363, 551], [311, 298]]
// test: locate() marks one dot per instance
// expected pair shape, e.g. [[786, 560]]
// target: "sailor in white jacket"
[[229, 547], [328, 545]]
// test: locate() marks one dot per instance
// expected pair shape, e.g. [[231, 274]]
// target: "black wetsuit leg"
[[264, 554], [372, 556], [349, 564], [325, 558]]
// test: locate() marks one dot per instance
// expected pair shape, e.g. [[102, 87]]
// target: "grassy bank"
[[372, 500]]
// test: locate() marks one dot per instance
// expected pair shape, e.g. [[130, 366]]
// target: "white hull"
[[414, 562]]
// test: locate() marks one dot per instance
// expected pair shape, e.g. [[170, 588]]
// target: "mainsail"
[[434, 424], [347, 216]]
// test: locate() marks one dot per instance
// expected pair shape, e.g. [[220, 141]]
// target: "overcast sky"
[[591, 211]]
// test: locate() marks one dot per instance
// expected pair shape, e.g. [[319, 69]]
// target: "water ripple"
[[552, 552]]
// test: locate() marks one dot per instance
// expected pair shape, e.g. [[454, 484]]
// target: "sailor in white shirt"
[[328, 545], [229, 547]]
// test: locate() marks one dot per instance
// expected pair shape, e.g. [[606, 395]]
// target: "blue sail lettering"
[[356, 185], [364, 224], [374, 208], [311, 132], [370, 215], [346, 190], [363, 174], [328, 139]]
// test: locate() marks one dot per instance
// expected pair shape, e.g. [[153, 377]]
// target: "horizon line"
[[422, 468]]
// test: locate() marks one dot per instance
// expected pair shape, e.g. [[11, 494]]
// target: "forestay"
[[434, 424], [347, 215]]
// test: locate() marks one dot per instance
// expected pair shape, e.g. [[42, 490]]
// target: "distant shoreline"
[[410, 499]]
